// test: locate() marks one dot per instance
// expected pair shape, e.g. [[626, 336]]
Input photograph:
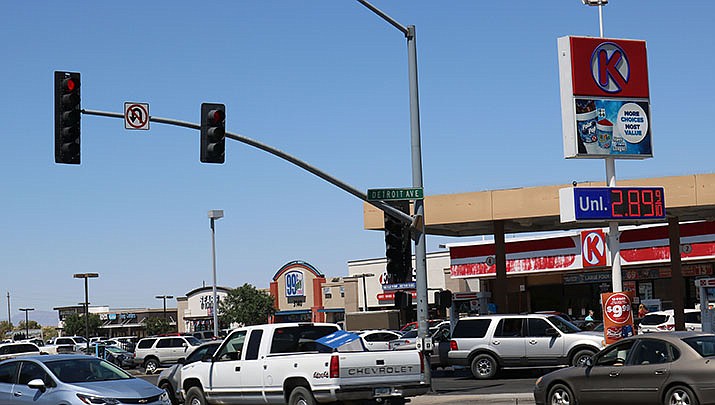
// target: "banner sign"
[[617, 316], [605, 98]]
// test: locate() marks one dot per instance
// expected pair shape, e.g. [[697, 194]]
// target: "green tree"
[[74, 324], [5, 327], [31, 325], [48, 332], [246, 305], [157, 326]]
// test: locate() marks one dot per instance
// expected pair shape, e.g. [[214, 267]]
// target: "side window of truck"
[[254, 342], [232, 347]]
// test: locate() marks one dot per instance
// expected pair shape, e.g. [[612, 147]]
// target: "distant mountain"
[[44, 318]]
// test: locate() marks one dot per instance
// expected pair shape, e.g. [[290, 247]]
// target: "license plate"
[[383, 391]]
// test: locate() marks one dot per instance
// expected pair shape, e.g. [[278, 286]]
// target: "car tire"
[[166, 386], [150, 365], [680, 395], [484, 367], [299, 396], [560, 394], [580, 357], [194, 396]]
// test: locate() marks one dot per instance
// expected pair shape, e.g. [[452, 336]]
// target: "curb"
[[504, 398]]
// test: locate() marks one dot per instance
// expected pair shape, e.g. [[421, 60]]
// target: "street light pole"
[[86, 277], [214, 215], [164, 297], [27, 327], [416, 147]]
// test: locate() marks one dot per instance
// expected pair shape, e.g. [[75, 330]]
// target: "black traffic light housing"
[[443, 299], [213, 133], [403, 299], [67, 117], [398, 246]]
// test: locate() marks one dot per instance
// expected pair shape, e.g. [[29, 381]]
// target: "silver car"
[[653, 368], [73, 379]]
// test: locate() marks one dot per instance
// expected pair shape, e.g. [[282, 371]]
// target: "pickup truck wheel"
[[299, 396], [579, 359], [150, 366], [194, 396], [484, 367]]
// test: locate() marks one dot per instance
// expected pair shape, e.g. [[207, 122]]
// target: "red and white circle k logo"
[[593, 248]]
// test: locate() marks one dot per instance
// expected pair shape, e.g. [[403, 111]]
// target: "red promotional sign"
[[617, 316], [593, 248], [606, 67]]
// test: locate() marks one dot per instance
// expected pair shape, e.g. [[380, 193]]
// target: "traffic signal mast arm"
[[283, 155]]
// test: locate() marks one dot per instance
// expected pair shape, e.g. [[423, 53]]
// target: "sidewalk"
[[500, 399]]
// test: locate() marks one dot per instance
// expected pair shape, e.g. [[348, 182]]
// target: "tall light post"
[[164, 297], [364, 286], [86, 277], [214, 215], [418, 222], [27, 327]]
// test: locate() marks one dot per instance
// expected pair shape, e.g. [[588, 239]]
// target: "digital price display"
[[612, 204]]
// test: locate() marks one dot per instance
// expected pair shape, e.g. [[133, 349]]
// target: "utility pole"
[[9, 321]]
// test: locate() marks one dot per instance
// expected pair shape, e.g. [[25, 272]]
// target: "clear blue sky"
[[324, 80]]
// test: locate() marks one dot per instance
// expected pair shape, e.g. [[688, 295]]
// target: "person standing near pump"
[[589, 317]]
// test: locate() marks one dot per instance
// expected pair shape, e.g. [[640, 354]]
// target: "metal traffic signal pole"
[[416, 148]]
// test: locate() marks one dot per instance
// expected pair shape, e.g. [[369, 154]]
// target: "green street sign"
[[395, 194]]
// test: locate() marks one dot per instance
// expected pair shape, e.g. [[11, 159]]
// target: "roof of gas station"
[[536, 209]]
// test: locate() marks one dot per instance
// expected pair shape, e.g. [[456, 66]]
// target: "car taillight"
[[668, 327], [422, 362], [453, 345], [334, 367]]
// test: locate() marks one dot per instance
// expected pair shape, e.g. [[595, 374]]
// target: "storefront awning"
[[295, 312], [332, 310]]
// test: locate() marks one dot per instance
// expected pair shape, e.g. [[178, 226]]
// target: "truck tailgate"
[[381, 368]]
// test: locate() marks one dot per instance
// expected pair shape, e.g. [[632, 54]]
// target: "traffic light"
[[67, 117], [213, 133], [443, 299], [403, 299], [398, 246]]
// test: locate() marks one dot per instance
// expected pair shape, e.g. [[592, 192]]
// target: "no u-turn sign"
[[136, 115]]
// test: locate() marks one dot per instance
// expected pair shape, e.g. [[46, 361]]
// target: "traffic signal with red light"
[[398, 246], [213, 133], [67, 117]]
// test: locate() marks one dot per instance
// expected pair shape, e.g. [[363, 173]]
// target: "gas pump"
[[706, 289]]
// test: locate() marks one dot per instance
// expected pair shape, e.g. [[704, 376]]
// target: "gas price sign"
[[612, 204]]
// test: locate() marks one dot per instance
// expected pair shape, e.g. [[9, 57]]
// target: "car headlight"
[[164, 398], [538, 381], [92, 399]]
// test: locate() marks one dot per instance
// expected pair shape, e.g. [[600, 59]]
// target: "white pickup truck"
[[282, 364]]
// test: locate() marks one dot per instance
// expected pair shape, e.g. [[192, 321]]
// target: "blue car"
[[69, 379]]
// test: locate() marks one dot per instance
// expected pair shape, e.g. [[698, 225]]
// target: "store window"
[[327, 293], [342, 291]]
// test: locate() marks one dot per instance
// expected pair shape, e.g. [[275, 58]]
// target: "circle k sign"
[[593, 248], [618, 308]]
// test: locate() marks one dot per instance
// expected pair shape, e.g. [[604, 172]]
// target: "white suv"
[[153, 352], [664, 321], [488, 343]]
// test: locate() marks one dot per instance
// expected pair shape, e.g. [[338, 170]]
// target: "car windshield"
[[82, 369], [704, 345], [410, 334], [193, 341], [80, 339], [654, 319], [563, 325]]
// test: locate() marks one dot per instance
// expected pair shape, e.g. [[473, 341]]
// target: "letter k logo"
[[593, 248]]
